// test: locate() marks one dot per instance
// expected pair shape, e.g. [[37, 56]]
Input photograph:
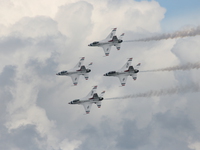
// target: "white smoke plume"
[[187, 66], [163, 92], [178, 34]]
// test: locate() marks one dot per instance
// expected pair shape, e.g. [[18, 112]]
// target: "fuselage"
[[80, 101], [70, 72], [106, 42], [126, 73]]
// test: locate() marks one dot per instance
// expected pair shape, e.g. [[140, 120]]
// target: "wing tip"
[[87, 112], [123, 84]]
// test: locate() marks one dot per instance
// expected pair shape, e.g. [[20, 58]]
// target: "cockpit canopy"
[[111, 72], [75, 101], [63, 72], [95, 42]]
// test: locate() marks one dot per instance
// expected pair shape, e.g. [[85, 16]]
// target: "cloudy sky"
[[39, 38]]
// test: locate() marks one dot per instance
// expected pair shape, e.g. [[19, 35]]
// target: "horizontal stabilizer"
[[137, 66], [121, 36], [90, 65], [98, 104], [102, 93], [134, 76]]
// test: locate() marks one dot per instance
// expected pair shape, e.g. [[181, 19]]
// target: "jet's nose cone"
[[69, 103], [104, 74], [89, 44]]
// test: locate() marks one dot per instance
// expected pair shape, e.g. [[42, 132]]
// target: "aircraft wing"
[[75, 78], [106, 49], [80, 62], [110, 36], [126, 66], [92, 92], [122, 79], [87, 107]]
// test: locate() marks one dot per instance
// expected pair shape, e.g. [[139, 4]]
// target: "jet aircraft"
[[91, 98], [78, 70], [124, 72], [111, 40]]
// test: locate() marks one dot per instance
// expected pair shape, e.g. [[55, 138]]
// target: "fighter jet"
[[124, 72], [111, 40], [78, 70], [91, 98]]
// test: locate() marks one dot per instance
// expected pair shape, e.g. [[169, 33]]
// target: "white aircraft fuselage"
[[110, 40], [91, 98], [124, 72], [78, 70], [80, 101], [71, 72], [105, 42]]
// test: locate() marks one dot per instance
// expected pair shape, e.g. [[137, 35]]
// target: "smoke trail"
[[162, 92], [178, 34], [187, 66]]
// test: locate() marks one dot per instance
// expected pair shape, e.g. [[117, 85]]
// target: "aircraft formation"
[[80, 69]]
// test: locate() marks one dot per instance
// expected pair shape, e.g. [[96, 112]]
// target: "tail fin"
[[126, 65], [80, 62], [110, 36]]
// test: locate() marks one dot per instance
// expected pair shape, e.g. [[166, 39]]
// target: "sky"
[[179, 14], [40, 38]]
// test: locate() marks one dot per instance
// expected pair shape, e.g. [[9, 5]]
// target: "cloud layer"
[[40, 38]]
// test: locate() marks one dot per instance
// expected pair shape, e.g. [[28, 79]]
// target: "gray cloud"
[[35, 104], [22, 138], [7, 76], [12, 44]]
